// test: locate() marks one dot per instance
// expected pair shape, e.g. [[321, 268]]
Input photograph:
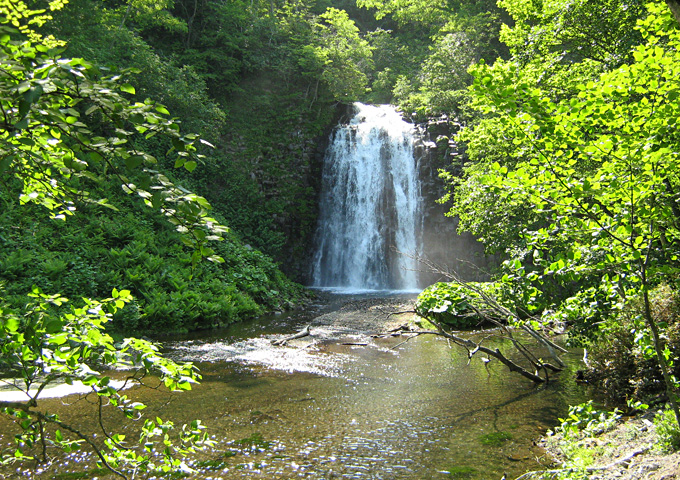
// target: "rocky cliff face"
[[297, 254], [442, 245]]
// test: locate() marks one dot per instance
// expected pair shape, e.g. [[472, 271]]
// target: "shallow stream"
[[342, 404]]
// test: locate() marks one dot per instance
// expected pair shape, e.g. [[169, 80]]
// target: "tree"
[[460, 34], [50, 109], [66, 124], [599, 168], [424, 11], [340, 54], [150, 13], [601, 31]]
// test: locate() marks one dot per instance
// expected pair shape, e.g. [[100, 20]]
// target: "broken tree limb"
[[473, 346], [492, 311], [547, 343], [302, 333]]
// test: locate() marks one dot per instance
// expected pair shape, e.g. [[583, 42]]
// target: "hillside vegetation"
[[557, 125]]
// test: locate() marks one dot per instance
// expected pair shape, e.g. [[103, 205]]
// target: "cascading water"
[[370, 205]]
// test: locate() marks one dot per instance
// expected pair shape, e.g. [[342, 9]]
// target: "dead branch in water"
[[302, 333], [473, 347], [498, 315]]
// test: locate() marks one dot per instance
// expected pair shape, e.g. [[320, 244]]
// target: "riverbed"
[[343, 402]]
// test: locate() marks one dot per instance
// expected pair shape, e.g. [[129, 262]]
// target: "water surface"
[[321, 408]]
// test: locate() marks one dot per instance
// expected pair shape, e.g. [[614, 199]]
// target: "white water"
[[369, 221]]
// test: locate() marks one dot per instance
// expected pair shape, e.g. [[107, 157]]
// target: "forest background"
[[560, 151]]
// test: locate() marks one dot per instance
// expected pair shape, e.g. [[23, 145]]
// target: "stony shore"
[[629, 451]]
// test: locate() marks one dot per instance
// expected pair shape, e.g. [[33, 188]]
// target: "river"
[[342, 404]]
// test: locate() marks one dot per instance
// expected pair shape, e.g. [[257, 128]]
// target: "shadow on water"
[[319, 408]]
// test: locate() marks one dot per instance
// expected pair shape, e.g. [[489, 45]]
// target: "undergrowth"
[[89, 254]]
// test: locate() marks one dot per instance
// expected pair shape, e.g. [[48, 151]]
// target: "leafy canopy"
[[67, 122], [601, 167], [339, 55]]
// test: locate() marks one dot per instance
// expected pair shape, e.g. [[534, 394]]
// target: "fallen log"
[[302, 333]]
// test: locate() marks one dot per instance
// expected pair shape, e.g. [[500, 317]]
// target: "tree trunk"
[[674, 5], [661, 358]]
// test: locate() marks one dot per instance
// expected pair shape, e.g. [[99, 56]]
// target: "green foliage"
[[585, 313], [94, 252], [597, 168], [622, 362], [465, 305], [237, 61], [451, 304], [69, 129], [72, 135], [52, 145], [340, 54], [47, 342], [585, 420], [574, 160], [667, 430], [564, 32], [421, 11], [431, 79]]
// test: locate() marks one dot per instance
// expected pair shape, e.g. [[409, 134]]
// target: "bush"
[[668, 431], [622, 364], [584, 314], [586, 420], [457, 305], [93, 252]]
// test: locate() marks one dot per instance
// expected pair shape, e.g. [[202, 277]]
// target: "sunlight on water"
[[10, 393], [260, 351], [341, 403]]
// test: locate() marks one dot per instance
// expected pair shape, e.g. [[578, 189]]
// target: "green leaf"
[[190, 165], [133, 161], [53, 326], [21, 125]]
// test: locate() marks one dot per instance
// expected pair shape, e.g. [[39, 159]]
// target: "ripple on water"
[[261, 352]]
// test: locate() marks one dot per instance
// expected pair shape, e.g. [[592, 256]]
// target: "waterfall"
[[370, 207]]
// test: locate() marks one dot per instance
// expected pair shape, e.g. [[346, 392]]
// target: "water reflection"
[[320, 409], [373, 412]]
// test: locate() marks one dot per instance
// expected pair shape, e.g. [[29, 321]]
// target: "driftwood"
[[473, 348], [302, 333]]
